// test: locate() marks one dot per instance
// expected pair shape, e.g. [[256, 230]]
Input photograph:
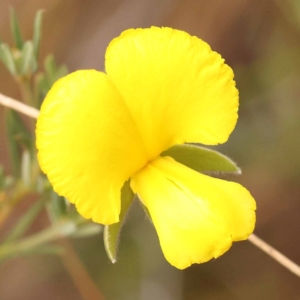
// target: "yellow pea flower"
[[96, 130]]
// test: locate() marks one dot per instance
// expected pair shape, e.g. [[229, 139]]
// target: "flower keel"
[[196, 217]]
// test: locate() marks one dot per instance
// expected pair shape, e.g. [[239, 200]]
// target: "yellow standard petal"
[[196, 217], [176, 88], [88, 144]]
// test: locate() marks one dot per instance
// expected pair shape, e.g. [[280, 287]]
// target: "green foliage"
[[21, 60], [202, 159], [7, 58], [112, 233], [26, 220], [15, 29], [45, 80], [28, 61], [18, 138], [37, 29]]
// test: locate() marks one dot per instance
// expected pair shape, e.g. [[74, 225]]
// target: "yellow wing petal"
[[196, 217], [88, 144], [176, 88]]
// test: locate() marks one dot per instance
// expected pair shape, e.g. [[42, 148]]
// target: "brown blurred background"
[[261, 41]]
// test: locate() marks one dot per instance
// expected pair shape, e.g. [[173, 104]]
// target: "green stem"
[[24, 246], [26, 90], [27, 96]]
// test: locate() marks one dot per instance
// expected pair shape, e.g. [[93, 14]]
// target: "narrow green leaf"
[[22, 134], [15, 28], [18, 137], [7, 59], [26, 220], [52, 73], [202, 159], [41, 84], [44, 86], [20, 131], [26, 168], [61, 72], [37, 29], [111, 233], [28, 59], [50, 67], [34, 65], [12, 143]]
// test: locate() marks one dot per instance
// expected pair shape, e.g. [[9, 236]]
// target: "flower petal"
[[176, 88], [196, 217], [88, 144]]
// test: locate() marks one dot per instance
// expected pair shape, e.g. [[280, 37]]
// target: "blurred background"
[[260, 40]]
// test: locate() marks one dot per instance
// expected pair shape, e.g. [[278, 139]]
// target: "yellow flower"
[[96, 130]]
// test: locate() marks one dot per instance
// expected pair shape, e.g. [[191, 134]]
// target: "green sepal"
[[37, 28], [146, 210], [202, 159], [111, 233], [7, 58], [15, 29]]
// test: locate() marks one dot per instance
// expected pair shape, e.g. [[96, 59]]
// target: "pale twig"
[[272, 252], [19, 106], [78, 273], [276, 255]]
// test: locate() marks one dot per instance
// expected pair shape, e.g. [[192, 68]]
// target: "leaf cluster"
[[22, 61]]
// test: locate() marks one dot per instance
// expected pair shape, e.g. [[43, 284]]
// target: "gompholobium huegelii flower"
[[162, 87]]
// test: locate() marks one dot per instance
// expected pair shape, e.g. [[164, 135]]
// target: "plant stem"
[[14, 248], [276, 255], [18, 106], [26, 90]]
